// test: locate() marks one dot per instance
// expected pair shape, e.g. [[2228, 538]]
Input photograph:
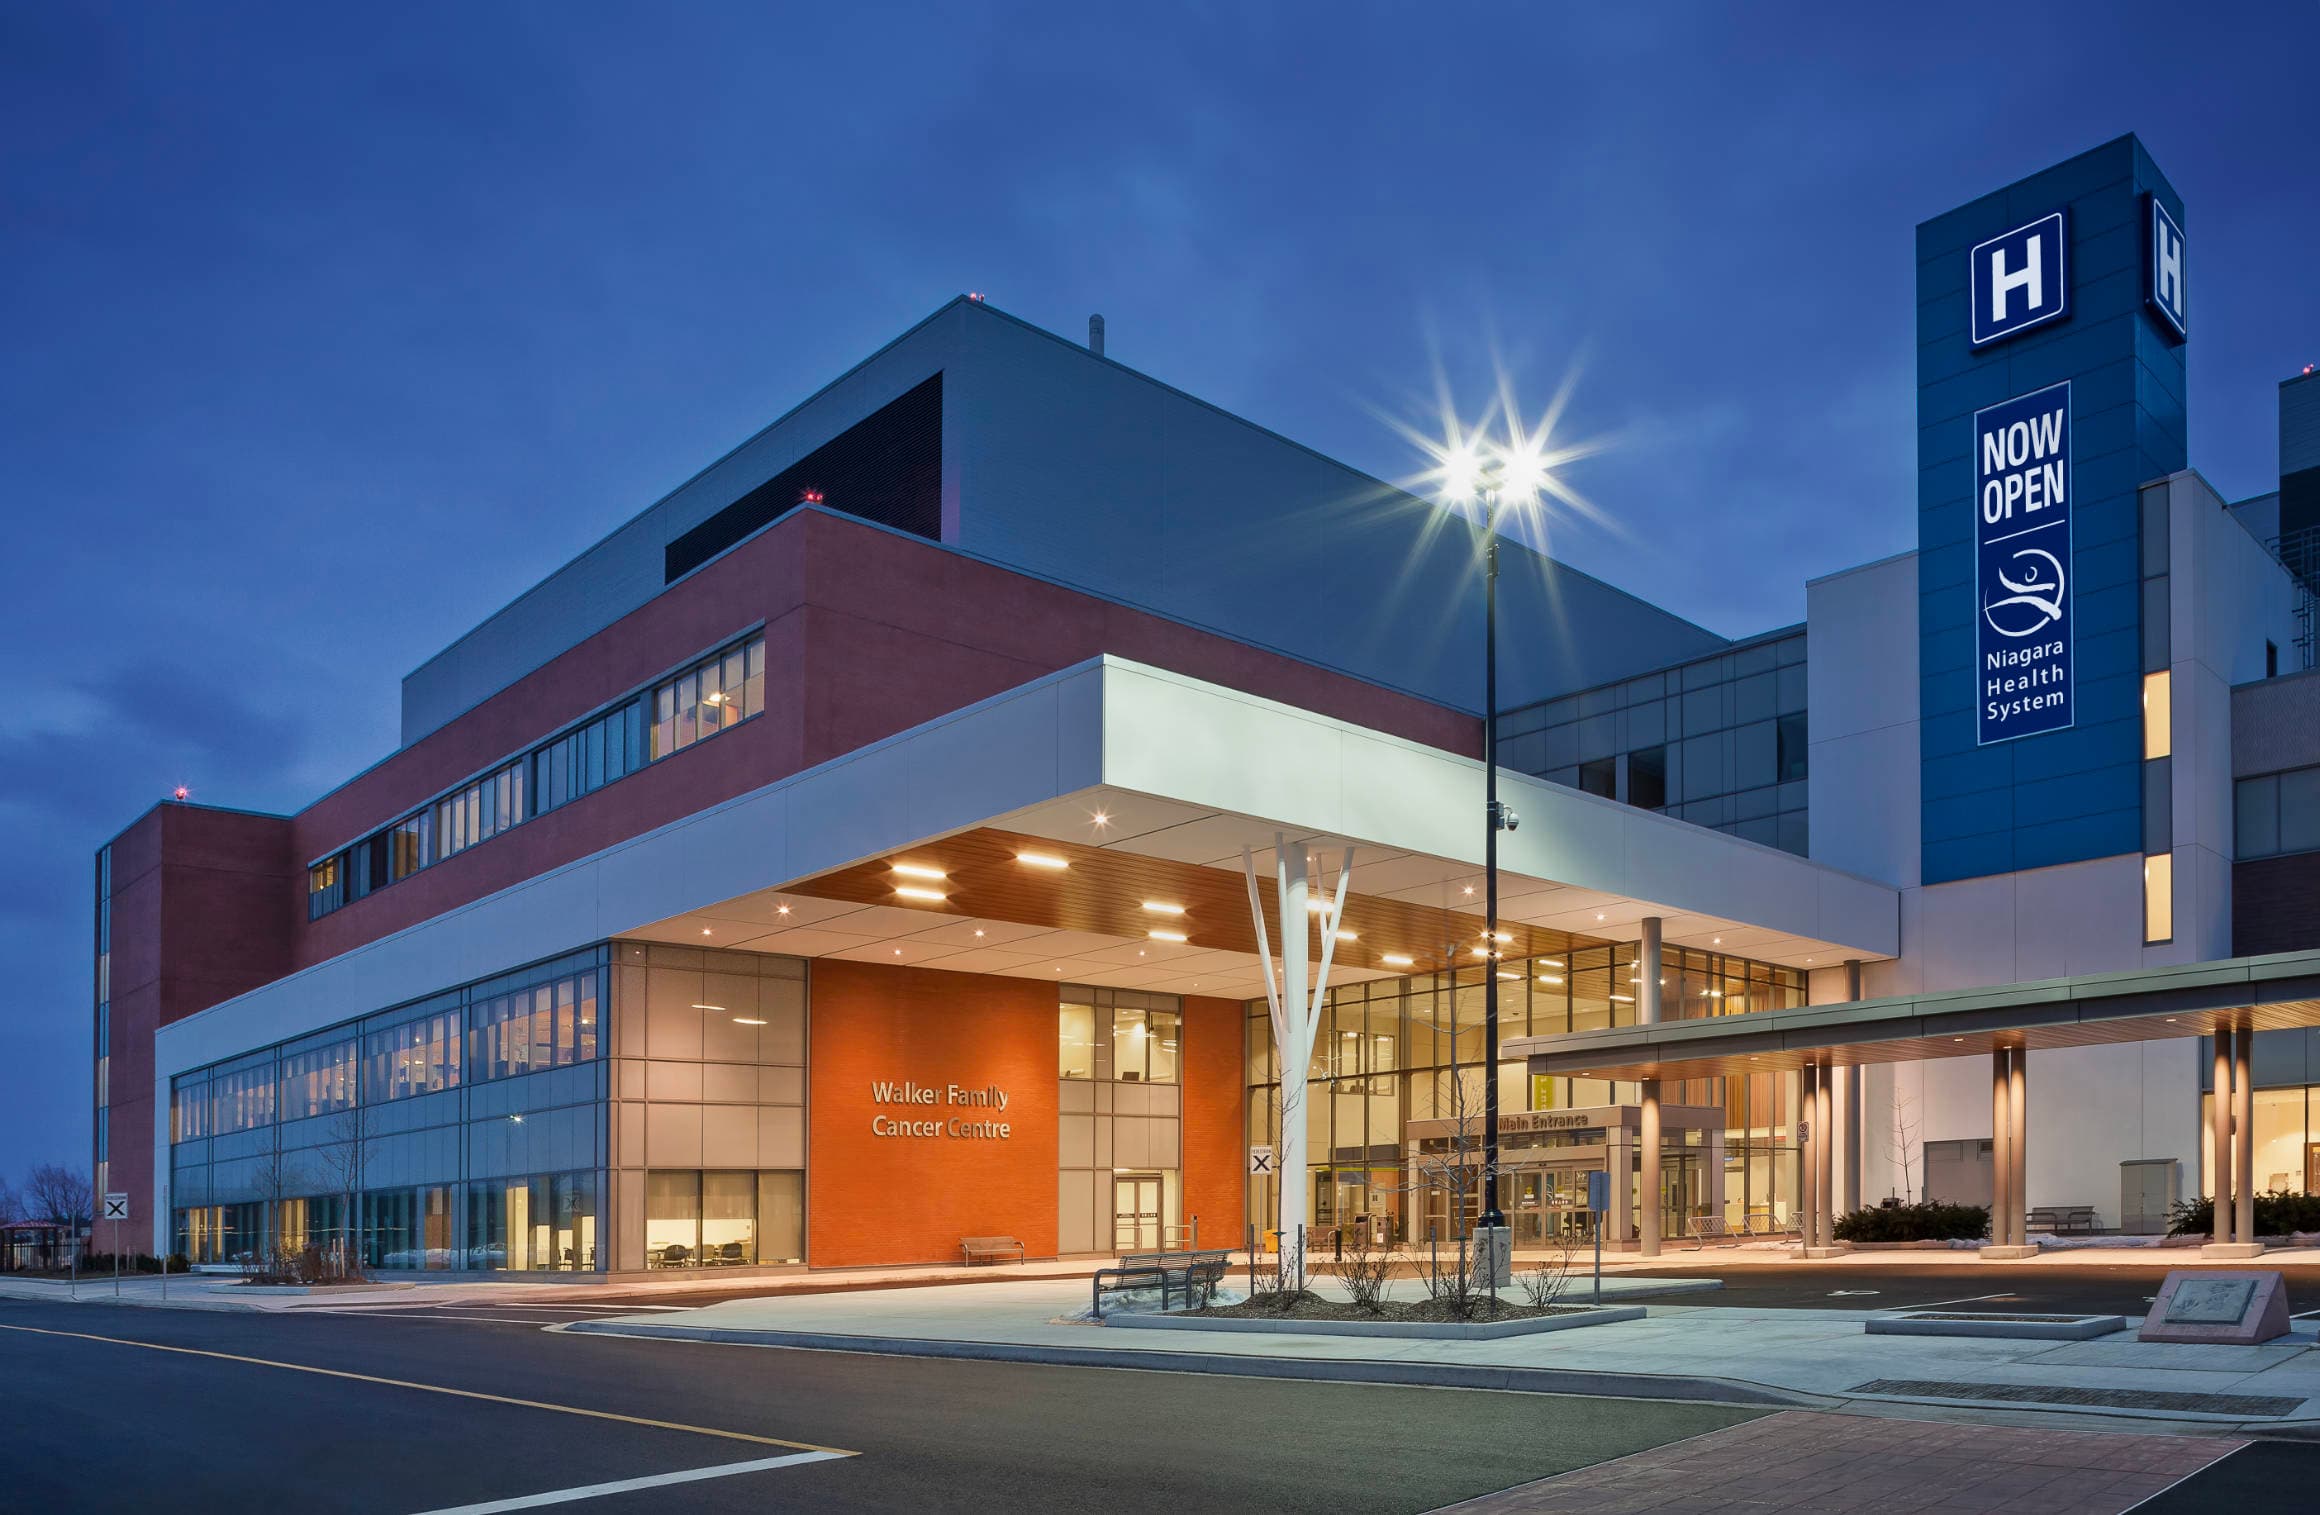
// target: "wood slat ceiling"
[[1105, 890]]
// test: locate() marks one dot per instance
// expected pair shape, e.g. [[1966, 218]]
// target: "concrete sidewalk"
[[1687, 1347]]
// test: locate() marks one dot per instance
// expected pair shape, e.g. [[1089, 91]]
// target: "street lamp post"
[[1493, 1220]]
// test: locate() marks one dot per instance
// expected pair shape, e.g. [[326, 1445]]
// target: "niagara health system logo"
[[2027, 599], [2023, 642]]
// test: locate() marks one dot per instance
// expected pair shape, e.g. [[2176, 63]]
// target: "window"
[[242, 1098], [2159, 897], [731, 1219], [1145, 1044], [319, 1080], [479, 812], [1076, 1042], [721, 690], [2158, 715], [325, 887], [417, 1057], [1600, 776], [1647, 777], [189, 1110], [1794, 740], [2276, 813], [551, 1025], [606, 749], [532, 1224]]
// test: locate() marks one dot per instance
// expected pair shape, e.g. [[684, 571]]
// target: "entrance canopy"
[[2272, 993]]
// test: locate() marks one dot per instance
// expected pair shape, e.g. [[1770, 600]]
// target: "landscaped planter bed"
[[1329, 1317]]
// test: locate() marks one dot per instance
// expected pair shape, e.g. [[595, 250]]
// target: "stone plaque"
[[2218, 1307], [2210, 1301]]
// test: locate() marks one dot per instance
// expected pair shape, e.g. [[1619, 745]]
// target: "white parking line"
[[627, 1485]]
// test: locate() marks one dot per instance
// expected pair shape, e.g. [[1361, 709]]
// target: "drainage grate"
[[2116, 1399]]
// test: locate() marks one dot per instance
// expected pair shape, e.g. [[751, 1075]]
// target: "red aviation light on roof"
[[810, 497]]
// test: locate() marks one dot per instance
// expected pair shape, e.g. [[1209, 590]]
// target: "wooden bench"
[[1191, 1275], [1707, 1228], [990, 1249]]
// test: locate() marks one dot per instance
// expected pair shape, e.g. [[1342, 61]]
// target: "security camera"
[[1509, 819]]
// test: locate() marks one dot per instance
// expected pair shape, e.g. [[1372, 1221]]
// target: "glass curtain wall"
[[461, 1131], [1397, 1050]]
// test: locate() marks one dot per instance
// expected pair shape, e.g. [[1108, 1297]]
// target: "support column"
[[1647, 1013], [2219, 1136], [2242, 1127], [1824, 1154], [2018, 1107], [1807, 1206], [1849, 1090], [2006, 1129]]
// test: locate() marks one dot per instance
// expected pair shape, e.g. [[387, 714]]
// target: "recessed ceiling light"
[[1550, 978], [1598, 915], [978, 931], [1469, 888], [919, 870], [1397, 959], [1482, 952], [1100, 818], [1162, 907], [1166, 936], [1515, 976], [704, 931], [898, 952], [781, 910], [1347, 936], [1623, 999], [914, 892], [747, 1020], [1550, 962], [708, 1007], [1041, 860], [1719, 941]]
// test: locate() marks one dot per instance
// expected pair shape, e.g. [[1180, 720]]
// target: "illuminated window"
[[2159, 897], [2158, 715]]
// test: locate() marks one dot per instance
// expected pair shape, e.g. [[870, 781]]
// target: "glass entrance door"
[[1136, 1212]]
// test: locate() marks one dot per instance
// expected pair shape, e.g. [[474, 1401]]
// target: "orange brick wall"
[[1215, 1153], [880, 1199]]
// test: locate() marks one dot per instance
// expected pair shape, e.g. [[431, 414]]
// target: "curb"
[[1528, 1325], [1236, 1365]]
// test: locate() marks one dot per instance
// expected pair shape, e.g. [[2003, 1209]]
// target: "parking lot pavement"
[[108, 1408]]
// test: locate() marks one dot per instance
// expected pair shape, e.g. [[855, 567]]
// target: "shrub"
[[2278, 1213], [1928, 1220]]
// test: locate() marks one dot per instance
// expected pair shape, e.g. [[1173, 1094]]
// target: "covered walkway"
[[2229, 1001]]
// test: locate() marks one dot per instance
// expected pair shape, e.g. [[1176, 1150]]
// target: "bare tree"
[[1543, 1283], [1363, 1267], [1904, 1139], [60, 1195], [1454, 1176], [341, 1158], [11, 1204], [278, 1178]]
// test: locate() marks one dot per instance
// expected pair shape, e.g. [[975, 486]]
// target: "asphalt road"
[[427, 1412]]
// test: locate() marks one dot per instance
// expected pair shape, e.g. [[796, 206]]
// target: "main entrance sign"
[[2022, 566], [933, 1097]]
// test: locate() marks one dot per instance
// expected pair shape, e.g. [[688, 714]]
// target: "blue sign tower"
[[2049, 387]]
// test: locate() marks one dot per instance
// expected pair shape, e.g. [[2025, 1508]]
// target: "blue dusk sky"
[[329, 328]]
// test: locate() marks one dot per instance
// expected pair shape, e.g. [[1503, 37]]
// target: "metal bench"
[[1193, 1276], [2060, 1219], [989, 1248], [1708, 1228]]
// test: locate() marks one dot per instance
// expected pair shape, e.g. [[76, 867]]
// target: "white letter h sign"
[[2031, 276]]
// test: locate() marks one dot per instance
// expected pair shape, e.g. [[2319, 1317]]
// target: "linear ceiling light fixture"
[[1162, 907], [1041, 860], [1166, 936], [1396, 960], [913, 892], [920, 870]]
